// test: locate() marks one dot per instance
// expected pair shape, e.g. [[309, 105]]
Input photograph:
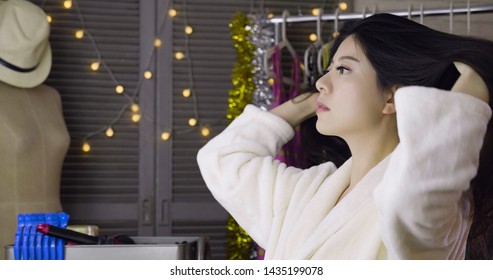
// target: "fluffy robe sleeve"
[[424, 201], [239, 169]]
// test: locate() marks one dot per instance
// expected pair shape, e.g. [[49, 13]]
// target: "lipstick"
[[81, 238], [68, 235]]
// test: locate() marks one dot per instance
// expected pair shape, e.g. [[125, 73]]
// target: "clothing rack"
[[277, 21], [408, 13]]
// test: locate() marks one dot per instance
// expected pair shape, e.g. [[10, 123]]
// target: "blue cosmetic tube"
[[47, 239], [39, 238], [60, 245], [55, 222], [25, 237], [18, 236]]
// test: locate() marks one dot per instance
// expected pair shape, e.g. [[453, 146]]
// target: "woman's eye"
[[342, 70]]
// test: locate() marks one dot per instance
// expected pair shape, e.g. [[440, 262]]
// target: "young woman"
[[412, 104]]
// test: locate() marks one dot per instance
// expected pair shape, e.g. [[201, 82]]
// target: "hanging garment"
[[290, 153]]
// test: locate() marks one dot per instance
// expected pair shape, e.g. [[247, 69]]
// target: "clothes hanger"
[[468, 17], [284, 39], [312, 50], [283, 44], [421, 13], [325, 49], [451, 18], [315, 46], [375, 9]]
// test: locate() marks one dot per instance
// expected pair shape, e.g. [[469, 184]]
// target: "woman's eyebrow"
[[348, 57], [344, 57]]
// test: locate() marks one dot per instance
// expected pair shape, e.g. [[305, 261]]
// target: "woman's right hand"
[[298, 109], [470, 82]]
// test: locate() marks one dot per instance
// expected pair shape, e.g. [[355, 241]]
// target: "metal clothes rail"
[[408, 13], [421, 12]]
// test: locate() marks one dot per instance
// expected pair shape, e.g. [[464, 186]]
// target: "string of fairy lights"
[[194, 122], [136, 114]]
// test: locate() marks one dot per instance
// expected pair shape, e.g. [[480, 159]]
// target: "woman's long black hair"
[[403, 53]]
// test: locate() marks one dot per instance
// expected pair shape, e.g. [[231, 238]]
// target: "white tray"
[[146, 248]]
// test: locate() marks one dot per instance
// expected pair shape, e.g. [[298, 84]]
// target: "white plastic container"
[[146, 248]]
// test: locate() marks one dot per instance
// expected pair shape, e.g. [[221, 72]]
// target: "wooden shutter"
[[194, 210], [122, 176], [99, 187]]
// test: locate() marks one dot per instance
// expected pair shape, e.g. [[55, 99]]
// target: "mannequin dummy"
[[33, 135], [33, 143]]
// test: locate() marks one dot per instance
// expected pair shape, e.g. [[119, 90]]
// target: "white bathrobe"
[[414, 204]]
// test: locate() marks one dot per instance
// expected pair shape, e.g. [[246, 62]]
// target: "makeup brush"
[[81, 238]]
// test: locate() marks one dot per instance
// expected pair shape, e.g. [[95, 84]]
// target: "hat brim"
[[29, 79]]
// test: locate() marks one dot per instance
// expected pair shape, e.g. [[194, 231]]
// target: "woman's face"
[[350, 102]]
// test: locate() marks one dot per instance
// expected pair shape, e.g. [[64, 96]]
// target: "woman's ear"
[[389, 107]]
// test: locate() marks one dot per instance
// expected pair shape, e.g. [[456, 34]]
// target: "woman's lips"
[[321, 107]]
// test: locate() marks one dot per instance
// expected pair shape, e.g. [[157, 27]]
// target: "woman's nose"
[[323, 84]]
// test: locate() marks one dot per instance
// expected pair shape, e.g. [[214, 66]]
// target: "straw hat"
[[25, 52]]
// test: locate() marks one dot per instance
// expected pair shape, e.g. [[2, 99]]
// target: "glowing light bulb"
[[165, 135], [49, 19], [157, 42], [95, 66], [313, 37], [270, 81], [86, 147], [79, 34], [172, 12], [179, 55], [187, 92], [119, 89], [135, 107], [136, 117], [148, 74], [67, 4], [316, 11], [270, 15], [110, 132], [343, 6], [205, 131], [188, 30], [192, 122]]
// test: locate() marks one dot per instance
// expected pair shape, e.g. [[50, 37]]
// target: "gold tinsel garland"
[[239, 243], [243, 71]]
